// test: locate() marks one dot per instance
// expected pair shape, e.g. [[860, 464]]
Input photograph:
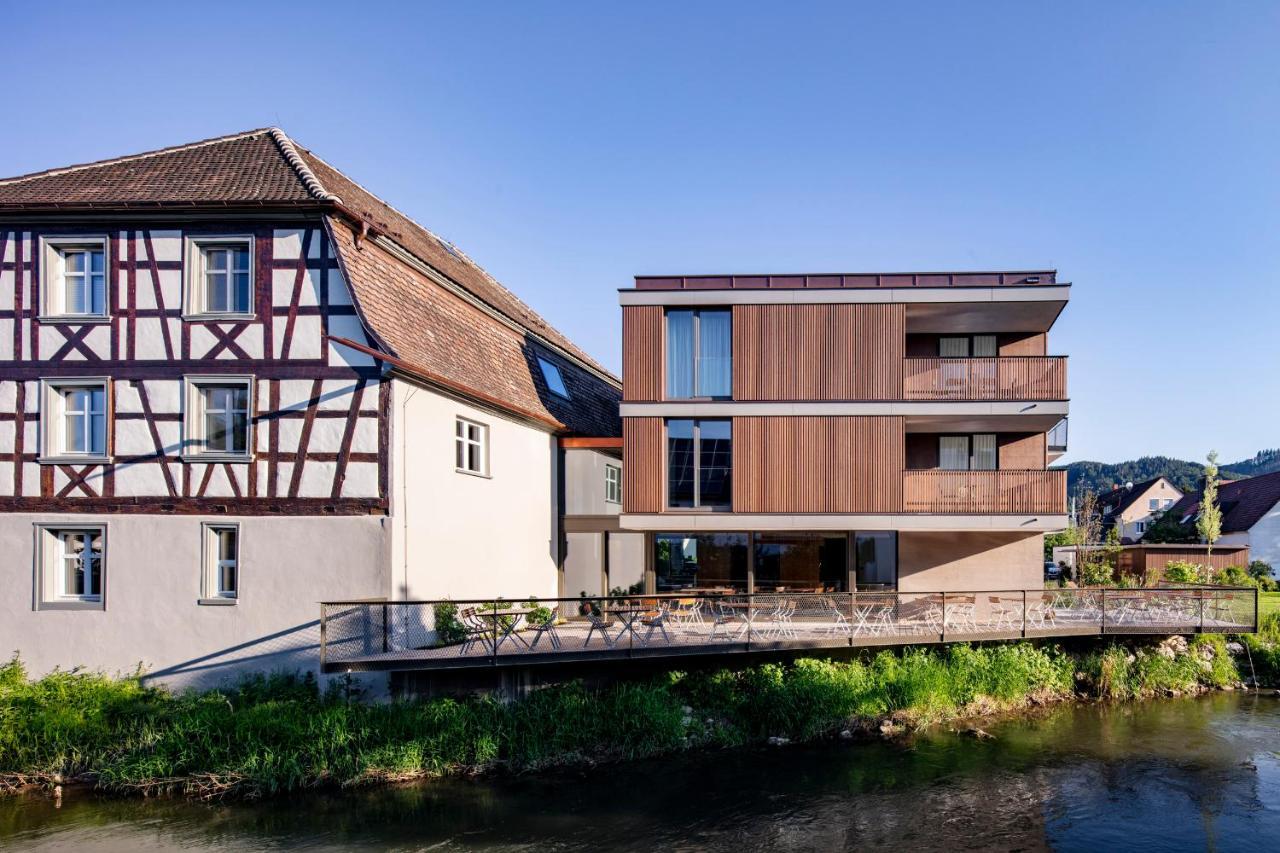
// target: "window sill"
[[217, 602], [74, 460], [238, 458], [72, 604], [474, 473], [84, 319], [218, 318]]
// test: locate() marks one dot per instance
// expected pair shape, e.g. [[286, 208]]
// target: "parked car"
[[1052, 571]]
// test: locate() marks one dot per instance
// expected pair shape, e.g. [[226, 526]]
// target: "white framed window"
[[75, 419], [218, 422], [219, 276], [74, 278], [1140, 527], [612, 484], [1153, 504], [551, 373], [471, 447], [220, 581], [71, 566]]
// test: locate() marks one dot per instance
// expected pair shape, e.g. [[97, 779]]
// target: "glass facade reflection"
[[703, 561]]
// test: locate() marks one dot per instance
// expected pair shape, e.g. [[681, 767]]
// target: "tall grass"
[[281, 733]]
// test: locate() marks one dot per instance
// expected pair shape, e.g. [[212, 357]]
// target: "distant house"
[[1250, 515], [1134, 507]]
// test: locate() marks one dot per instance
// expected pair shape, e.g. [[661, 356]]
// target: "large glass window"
[[703, 562], [968, 453], [699, 463], [699, 353], [801, 562], [876, 560]]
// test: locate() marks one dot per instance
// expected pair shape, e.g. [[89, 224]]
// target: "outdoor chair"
[[655, 620], [548, 627], [723, 617], [882, 621], [477, 629], [599, 622]]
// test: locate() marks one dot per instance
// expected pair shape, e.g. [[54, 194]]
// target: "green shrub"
[[449, 629], [1181, 571]]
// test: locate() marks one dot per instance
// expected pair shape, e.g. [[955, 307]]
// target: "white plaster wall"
[[152, 582], [461, 536], [584, 482], [1264, 539]]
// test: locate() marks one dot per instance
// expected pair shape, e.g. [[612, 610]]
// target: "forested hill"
[[1101, 476]]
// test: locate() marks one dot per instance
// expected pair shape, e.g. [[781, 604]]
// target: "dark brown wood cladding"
[[642, 355], [818, 352], [817, 464], [827, 281], [643, 458]]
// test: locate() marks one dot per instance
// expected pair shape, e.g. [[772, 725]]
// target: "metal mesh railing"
[[425, 634]]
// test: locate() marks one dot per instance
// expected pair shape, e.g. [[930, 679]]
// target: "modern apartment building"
[[234, 383], [873, 431]]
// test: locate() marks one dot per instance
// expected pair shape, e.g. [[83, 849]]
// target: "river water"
[[1178, 774]]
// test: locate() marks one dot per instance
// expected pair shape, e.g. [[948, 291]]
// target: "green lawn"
[[1268, 602]]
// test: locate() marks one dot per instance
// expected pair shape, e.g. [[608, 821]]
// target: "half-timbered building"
[[234, 383]]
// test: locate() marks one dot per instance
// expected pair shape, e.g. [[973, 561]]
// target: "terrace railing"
[[1004, 378], [982, 492], [403, 635]]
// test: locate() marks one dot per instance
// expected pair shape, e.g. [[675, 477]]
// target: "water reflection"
[[1185, 774]]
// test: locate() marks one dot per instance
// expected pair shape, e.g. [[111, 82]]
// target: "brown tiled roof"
[[247, 168], [426, 326], [1243, 502], [437, 253], [413, 317]]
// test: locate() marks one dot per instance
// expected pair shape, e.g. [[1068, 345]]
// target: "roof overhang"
[[735, 522]]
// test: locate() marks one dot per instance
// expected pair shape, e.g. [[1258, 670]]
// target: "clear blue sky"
[[570, 146]]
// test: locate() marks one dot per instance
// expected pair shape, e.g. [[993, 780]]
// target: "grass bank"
[[275, 734]]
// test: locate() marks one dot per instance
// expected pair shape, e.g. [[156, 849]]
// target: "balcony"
[[985, 492], [978, 379]]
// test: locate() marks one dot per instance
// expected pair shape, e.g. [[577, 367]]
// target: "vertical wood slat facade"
[[817, 464], [1014, 378], [1023, 452], [818, 352], [643, 465], [985, 492], [642, 355]]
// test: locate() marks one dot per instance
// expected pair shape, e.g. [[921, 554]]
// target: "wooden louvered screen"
[[643, 489], [817, 464], [642, 356], [818, 352], [1026, 452]]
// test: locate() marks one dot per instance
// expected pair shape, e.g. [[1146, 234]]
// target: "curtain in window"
[[984, 346], [715, 357], [984, 452], [953, 453], [679, 354]]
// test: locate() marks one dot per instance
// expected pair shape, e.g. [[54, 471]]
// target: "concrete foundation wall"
[[152, 581], [947, 562]]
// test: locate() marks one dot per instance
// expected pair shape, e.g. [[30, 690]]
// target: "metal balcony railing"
[[399, 635]]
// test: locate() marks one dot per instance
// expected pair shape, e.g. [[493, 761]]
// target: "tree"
[[1209, 523], [1085, 534], [1169, 529]]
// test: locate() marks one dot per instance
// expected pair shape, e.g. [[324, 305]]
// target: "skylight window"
[[551, 373]]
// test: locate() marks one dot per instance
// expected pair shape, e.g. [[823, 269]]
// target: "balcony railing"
[[1009, 378], [985, 492], [424, 635]]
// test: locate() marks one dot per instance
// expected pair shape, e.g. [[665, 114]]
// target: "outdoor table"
[[749, 606], [627, 616], [517, 615]]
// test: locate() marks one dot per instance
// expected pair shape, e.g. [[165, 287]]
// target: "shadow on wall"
[[294, 649]]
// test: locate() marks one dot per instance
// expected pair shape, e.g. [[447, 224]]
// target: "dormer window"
[[75, 278], [219, 277]]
